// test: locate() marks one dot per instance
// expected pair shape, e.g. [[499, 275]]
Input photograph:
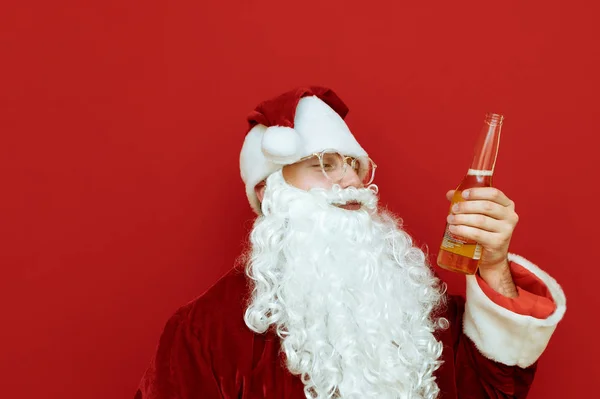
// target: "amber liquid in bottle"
[[458, 254]]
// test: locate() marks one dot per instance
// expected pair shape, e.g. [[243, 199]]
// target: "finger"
[[488, 208], [450, 194], [485, 238], [489, 194], [478, 221]]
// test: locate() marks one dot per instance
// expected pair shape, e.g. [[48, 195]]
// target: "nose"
[[351, 179]]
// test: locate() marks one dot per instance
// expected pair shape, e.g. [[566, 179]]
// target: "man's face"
[[308, 174]]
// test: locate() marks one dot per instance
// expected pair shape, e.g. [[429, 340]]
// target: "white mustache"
[[337, 195]]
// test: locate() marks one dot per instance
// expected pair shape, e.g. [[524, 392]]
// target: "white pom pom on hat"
[[289, 127], [280, 144]]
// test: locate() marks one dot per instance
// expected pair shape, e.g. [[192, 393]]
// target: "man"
[[336, 302]]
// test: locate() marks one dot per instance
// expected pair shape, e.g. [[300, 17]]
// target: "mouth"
[[351, 205]]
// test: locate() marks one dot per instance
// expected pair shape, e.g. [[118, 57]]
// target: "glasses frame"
[[320, 154]]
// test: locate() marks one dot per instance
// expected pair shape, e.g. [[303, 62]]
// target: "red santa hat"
[[289, 127]]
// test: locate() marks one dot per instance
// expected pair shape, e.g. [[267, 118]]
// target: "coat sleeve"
[[499, 342], [181, 367], [478, 377]]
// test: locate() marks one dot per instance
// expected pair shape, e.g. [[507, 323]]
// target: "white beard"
[[347, 292]]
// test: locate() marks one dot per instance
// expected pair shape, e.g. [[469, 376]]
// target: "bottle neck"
[[486, 149]]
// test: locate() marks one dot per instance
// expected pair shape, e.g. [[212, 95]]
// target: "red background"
[[121, 123]]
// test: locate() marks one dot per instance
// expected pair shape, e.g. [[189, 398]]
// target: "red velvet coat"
[[207, 352]]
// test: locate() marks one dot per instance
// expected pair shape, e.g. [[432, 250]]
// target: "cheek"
[[305, 179], [315, 182]]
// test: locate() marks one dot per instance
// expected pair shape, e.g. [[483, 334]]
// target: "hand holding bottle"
[[486, 215]]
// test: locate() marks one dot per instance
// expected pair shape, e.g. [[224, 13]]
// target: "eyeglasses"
[[335, 165]]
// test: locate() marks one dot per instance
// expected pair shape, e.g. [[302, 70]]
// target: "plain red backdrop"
[[121, 123]]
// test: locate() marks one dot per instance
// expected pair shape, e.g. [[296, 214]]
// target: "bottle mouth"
[[494, 119]]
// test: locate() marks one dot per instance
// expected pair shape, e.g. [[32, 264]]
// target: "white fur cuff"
[[507, 337]]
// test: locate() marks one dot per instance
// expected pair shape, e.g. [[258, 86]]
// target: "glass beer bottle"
[[458, 254]]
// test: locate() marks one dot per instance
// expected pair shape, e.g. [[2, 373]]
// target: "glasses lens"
[[364, 169], [332, 164]]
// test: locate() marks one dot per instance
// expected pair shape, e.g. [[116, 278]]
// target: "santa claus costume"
[[332, 303]]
